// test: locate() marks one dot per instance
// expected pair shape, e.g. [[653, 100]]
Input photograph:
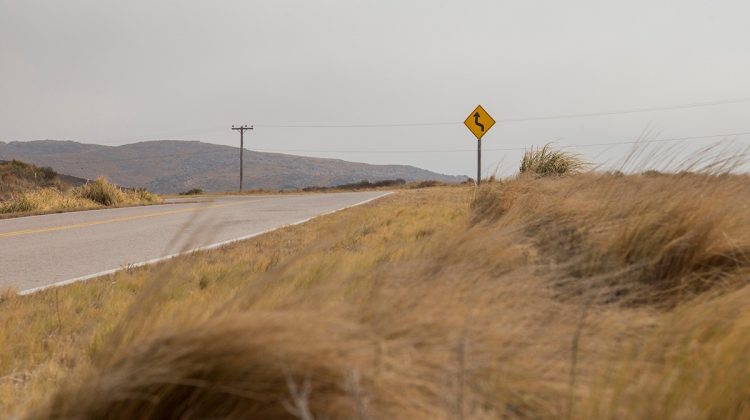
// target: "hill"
[[168, 166]]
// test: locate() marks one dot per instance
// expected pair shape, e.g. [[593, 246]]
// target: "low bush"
[[193, 191]]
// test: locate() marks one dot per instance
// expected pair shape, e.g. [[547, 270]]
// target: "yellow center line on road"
[[115, 220]]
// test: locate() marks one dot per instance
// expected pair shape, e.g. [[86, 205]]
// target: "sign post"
[[479, 161], [479, 123]]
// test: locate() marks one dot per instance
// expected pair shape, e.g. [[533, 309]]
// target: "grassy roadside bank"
[[93, 195], [589, 296], [27, 190]]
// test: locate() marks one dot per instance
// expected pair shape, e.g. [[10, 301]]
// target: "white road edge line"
[[203, 248]]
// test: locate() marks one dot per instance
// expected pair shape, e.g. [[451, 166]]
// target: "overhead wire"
[[629, 111], [457, 123], [615, 143], [365, 125], [518, 119]]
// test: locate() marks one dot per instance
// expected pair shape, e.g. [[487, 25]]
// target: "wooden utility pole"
[[242, 130]]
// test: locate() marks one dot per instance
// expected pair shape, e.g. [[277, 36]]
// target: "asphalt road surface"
[[39, 251]]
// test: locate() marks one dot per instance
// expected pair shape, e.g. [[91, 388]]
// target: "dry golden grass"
[[591, 296], [96, 194]]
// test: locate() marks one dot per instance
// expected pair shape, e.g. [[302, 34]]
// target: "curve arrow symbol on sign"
[[476, 121]]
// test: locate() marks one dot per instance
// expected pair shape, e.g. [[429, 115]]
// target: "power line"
[[713, 136], [742, 133], [521, 119], [367, 125], [629, 111]]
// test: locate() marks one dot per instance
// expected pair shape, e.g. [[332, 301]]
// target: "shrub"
[[48, 173], [548, 162], [19, 167], [193, 191]]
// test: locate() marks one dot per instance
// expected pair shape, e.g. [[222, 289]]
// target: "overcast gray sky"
[[118, 72]]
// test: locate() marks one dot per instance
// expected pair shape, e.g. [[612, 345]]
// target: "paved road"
[[38, 251]]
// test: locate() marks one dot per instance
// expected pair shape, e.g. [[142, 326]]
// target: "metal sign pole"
[[479, 162]]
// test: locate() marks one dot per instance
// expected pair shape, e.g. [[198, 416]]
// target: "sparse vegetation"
[[549, 162], [362, 185], [385, 184], [428, 184], [586, 296]]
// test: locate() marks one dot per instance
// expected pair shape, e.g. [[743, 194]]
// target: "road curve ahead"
[[39, 251]]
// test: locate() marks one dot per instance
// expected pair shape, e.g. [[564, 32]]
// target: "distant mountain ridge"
[[170, 166]]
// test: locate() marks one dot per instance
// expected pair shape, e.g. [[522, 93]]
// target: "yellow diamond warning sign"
[[479, 122]]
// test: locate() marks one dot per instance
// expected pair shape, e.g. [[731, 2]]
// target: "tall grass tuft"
[[101, 191], [141, 196], [549, 162], [107, 194]]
